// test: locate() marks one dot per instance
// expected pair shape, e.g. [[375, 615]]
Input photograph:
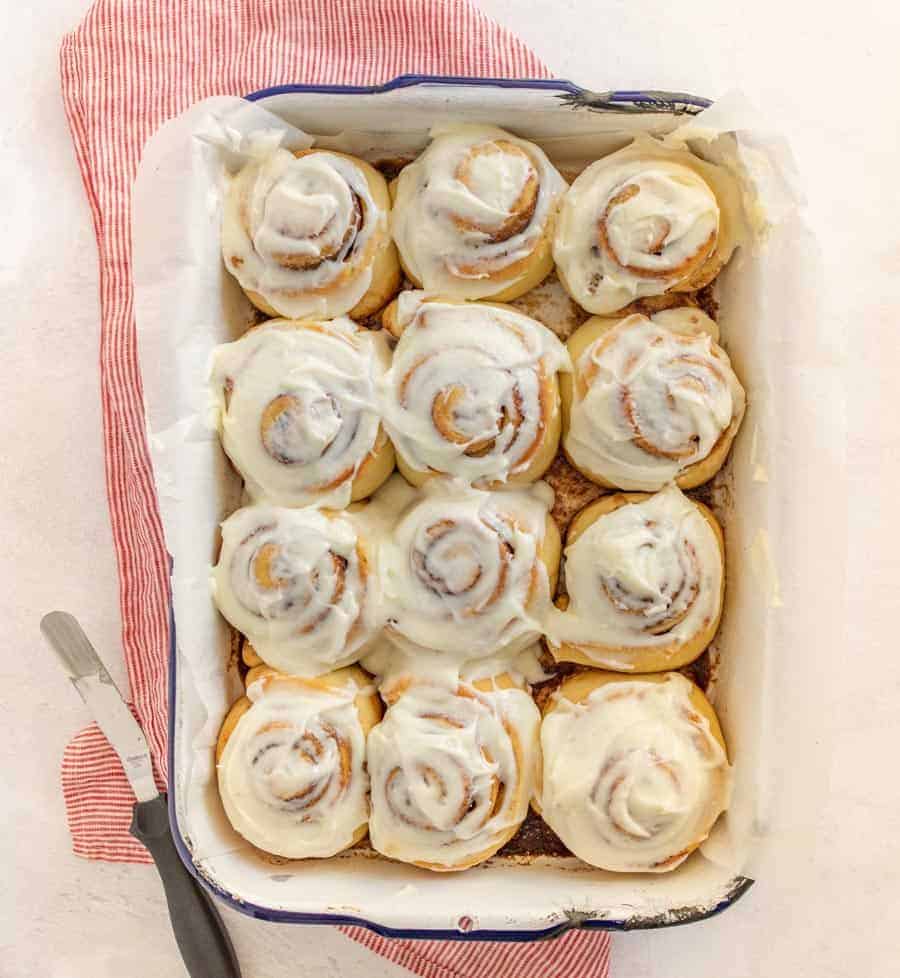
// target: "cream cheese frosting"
[[471, 388], [452, 772], [652, 396], [632, 777], [299, 584], [648, 574], [472, 206], [643, 221], [292, 775], [302, 232], [296, 406], [461, 570]]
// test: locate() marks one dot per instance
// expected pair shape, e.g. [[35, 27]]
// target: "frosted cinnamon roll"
[[291, 762], [644, 583], [296, 407], [472, 391], [635, 771], [452, 771], [468, 573], [306, 235], [473, 215], [644, 221], [650, 401], [298, 583]]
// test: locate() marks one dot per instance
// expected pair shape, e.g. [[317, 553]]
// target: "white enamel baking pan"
[[185, 304]]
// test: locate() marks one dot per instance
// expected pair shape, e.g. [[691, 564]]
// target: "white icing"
[[525, 667], [633, 776], [390, 663], [292, 775], [495, 182], [294, 582], [651, 383], [461, 573], [447, 785], [443, 225], [316, 211], [661, 220], [648, 574], [326, 374], [468, 392]]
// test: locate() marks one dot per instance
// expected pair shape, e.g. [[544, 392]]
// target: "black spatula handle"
[[199, 931]]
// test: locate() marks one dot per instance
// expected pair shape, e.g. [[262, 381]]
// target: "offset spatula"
[[199, 931]]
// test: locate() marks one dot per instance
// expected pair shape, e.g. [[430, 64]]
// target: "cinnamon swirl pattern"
[[297, 412], [452, 771], [473, 215], [472, 391], [644, 221], [650, 400], [291, 762], [654, 779], [306, 235], [644, 580], [468, 573], [298, 584]]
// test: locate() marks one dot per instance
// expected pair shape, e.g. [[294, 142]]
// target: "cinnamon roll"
[[643, 221], [298, 583], [468, 573], [452, 771], [651, 400], [472, 391], [291, 761], [473, 215], [644, 582], [306, 235], [635, 771], [297, 411]]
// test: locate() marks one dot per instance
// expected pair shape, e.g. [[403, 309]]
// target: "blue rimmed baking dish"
[[503, 900]]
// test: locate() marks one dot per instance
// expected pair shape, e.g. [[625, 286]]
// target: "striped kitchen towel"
[[130, 66]]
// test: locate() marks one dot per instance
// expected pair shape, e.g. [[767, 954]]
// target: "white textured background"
[[828, 904]]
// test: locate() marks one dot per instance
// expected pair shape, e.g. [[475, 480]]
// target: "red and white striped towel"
[[130, 66]]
